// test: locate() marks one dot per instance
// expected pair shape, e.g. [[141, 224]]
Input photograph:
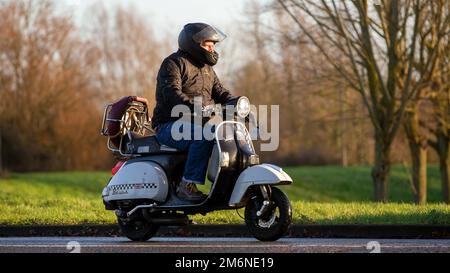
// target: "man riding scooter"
[[143, 189], [183, 75]]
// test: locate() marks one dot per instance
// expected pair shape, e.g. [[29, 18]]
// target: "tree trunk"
[[342, 127], [418, 146], [444, 165], [381, 169], [419, 171], [445, 178]]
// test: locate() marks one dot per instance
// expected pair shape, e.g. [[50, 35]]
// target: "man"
[[183, 75]]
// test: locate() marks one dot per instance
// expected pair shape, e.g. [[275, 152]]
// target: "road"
[[215, 245]]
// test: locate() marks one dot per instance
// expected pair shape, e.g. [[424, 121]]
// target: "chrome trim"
[[253, 159], [140, 207], [119, 150], [263, 209], [226, 160], [102, 131], [163, 147]]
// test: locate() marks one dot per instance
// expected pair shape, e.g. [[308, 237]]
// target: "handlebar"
[[209, 109]]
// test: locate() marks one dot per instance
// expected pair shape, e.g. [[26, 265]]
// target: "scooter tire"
[[280, 225], [139, 231]]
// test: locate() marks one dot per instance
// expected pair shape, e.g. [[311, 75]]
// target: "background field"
[[319, 195]]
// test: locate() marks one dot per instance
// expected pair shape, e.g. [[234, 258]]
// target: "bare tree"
[[440, 98], [432, 40], [54, 80], [130, 54], [380, 42], [320, 124], [41, 80]]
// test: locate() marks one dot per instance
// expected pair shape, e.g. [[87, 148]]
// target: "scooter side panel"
[[137, 180], [264, 174]]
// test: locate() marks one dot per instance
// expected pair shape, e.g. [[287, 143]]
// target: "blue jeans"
[[199, 151]]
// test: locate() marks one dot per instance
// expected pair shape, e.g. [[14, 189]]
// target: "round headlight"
[[243, 107]]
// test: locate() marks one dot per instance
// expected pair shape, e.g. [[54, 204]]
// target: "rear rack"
[[129, 114]]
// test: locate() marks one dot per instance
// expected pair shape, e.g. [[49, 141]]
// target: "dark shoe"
[[188, 191]]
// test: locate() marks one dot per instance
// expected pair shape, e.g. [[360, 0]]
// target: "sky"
[[169, 16]]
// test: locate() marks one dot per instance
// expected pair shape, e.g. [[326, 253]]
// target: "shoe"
[[188, 191]]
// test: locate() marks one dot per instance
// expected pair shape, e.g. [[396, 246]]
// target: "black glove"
[[232, 100]]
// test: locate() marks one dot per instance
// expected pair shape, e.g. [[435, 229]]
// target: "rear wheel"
[[137, 230], [272, 224]]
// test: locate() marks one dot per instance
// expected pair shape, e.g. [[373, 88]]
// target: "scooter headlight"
[[243, 107]]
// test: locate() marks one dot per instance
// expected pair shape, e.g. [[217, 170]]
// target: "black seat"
[[139, 144]]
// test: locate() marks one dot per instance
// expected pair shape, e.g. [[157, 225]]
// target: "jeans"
[[199, 151]]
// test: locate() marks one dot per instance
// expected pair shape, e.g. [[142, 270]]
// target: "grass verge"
[[319, 195]]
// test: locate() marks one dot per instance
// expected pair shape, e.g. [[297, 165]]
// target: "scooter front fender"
[[263, 174]]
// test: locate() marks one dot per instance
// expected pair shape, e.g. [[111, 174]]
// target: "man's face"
[[208, 45]]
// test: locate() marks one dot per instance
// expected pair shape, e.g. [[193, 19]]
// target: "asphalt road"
[[215, 245]]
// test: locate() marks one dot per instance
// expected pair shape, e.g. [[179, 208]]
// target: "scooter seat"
[[139, 144]]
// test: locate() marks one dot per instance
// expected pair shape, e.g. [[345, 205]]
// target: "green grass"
[[354, 184], [319, 195]]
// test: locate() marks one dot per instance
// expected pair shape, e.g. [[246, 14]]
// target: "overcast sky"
[[169, 16]]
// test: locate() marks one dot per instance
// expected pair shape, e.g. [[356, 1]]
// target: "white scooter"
[[142, 190]]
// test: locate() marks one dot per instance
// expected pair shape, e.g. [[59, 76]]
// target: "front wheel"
[[138, 230], [274, 223]]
